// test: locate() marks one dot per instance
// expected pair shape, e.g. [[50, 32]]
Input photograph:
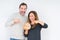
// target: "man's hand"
[[16, 21]]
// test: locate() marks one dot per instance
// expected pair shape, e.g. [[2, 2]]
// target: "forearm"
[[45, 25], [26, 32]]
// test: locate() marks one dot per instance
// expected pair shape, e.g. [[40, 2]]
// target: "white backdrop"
[[48, 11]]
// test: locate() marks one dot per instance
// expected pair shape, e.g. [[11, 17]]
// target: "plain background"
[[48, 11]]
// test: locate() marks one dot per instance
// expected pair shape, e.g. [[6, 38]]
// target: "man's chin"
[[23, 14]]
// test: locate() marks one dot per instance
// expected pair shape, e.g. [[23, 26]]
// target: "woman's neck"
[[32, 22]]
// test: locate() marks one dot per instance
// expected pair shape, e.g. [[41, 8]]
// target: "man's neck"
[[21, 14]]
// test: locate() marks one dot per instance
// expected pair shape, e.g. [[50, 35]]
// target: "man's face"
[[22, 9]]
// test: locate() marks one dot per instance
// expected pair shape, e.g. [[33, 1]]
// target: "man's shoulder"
[[16, 13], [25, 17]]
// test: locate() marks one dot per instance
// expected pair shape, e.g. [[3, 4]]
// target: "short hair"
[[22, 4]]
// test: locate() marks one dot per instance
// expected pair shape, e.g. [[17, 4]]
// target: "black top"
[[34, 33]]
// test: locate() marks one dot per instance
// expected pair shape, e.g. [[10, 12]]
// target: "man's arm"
[[12, 20]]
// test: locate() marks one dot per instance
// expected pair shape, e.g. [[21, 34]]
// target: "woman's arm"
[[26, 32], [26, 29], [44, 25]]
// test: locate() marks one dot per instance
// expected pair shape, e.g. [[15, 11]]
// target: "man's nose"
[[23, 10]]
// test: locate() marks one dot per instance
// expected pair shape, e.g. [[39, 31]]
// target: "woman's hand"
[[40, 21], [27, 26]]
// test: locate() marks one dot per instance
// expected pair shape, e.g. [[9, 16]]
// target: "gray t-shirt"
[[16, 31]]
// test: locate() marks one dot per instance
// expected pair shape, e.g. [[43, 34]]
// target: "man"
[[16, 22]]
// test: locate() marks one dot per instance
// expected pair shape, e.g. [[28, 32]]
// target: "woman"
[[33, 27]]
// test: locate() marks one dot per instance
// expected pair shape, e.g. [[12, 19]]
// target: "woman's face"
[[31, 17]]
